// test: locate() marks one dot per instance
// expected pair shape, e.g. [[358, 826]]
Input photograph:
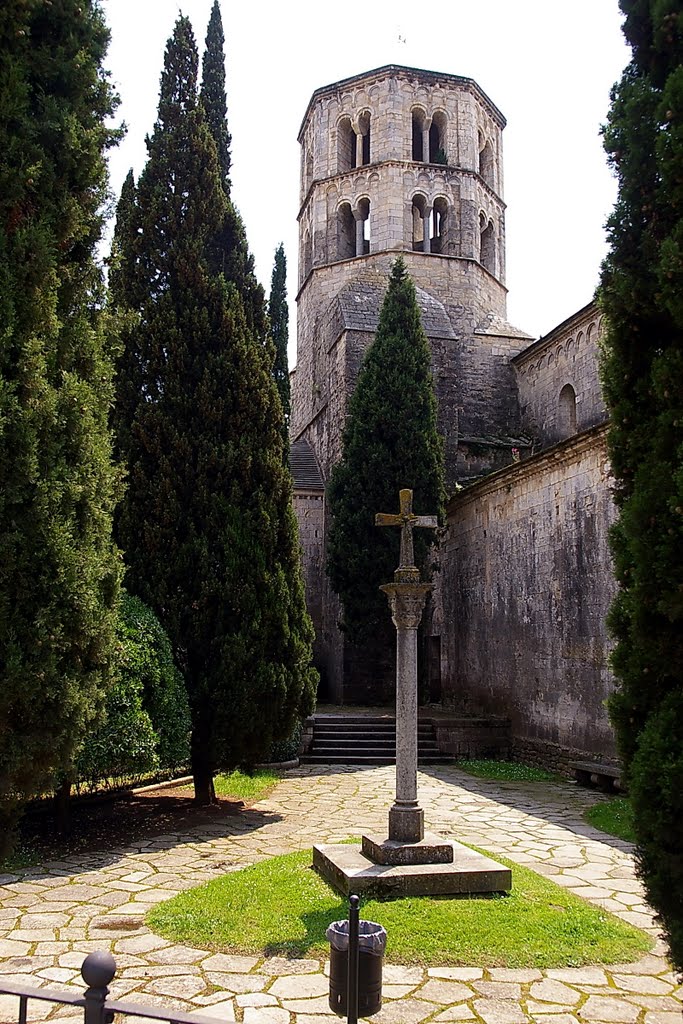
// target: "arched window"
[[346, 146], [363, 232], [567, 411], [418, 134], [363, 151], [486, 163], [439, 221], [346, 232], [419, 218], [487, 244], [437, 139]]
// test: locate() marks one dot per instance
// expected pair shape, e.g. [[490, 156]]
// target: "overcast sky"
[[548, 66]]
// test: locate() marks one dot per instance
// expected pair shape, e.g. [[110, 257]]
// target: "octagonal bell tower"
[[399, 160]]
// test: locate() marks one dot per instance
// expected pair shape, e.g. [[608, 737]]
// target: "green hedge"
[[147, 657], [656, 790], [146, 724]]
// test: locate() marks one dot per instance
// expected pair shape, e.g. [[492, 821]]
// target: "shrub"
[[287, 750], [123, 747], [146, 656], [146, 720]]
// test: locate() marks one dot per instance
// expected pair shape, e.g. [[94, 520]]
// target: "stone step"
[[366, 739], [362, 759], [361, 733], [337, 750]]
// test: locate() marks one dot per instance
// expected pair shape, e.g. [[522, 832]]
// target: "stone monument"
[[407, 860]]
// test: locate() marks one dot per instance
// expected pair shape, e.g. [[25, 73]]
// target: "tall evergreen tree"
[[59, 572], [207, 523], [642, 295], [390, 441], [213, 91], [230, 252], [279, 325]]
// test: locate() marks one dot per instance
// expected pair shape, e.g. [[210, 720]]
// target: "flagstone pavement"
[[51, 916]]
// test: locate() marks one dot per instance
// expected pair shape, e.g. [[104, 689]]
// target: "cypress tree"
[[213, 91], [230, 251], [209, 533], [390, 441], [279, 325], [59, 572], [642, 296]]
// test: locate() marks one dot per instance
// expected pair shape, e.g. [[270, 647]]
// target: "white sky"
[[548, 66]]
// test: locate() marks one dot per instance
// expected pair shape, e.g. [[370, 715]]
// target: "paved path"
[[51, 917]]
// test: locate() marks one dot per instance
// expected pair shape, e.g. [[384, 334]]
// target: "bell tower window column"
[[426, 215], [360, 231], [359, 149], [426, 155]]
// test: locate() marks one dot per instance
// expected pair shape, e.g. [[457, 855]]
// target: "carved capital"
[[407, 601]]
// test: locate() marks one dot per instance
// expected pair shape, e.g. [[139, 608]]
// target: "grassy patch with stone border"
[[281, 906], [506, 771], [613, 816], [240, 785]]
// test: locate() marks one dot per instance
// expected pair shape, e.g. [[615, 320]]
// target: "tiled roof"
[[360, 303]]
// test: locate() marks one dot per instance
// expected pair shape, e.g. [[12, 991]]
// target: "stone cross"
[[407, 596], [407, 520]]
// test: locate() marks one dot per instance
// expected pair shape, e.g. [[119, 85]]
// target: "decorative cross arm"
[[407, 520]]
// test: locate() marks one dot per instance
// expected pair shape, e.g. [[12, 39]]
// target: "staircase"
[[366, 739]]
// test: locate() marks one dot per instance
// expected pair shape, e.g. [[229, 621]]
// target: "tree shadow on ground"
[[559, 803], [102, 831]]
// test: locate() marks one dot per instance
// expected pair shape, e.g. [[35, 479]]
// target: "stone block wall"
[[558, 368], [471, 344], [309, 509], [525, 589]]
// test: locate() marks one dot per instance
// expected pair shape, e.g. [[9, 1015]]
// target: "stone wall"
[[559, 375], [463, 308], [382, 176], [525, 589], [309, 509]]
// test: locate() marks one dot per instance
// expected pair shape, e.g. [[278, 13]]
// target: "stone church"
[[399, 160]]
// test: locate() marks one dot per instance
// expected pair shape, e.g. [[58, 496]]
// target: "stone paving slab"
[[52, 916]]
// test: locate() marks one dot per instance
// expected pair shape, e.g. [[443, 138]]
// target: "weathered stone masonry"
[[526, 585], [405, 161]]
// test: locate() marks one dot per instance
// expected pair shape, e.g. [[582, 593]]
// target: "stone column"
[[426, 240], [425, 140], [360, 232], [407, 600], [359, 149]]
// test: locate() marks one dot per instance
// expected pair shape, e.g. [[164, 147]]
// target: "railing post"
[[98, 970]]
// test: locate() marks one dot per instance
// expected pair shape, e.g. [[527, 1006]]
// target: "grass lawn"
[[282, 906], [510, 771], [614, 817], [250, 788]]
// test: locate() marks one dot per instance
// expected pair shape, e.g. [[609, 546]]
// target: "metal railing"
[[98, 971]]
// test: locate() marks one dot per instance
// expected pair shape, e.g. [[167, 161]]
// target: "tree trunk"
[[202, 769], [62, 805], [8, 835]]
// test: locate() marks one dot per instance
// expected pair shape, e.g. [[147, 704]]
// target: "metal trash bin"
[[372, 942]]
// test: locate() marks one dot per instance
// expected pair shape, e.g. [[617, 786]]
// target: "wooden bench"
[[605, 776]]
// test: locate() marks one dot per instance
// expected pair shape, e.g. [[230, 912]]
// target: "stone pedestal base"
[[406, 824], [431, 849], [347, 869]]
